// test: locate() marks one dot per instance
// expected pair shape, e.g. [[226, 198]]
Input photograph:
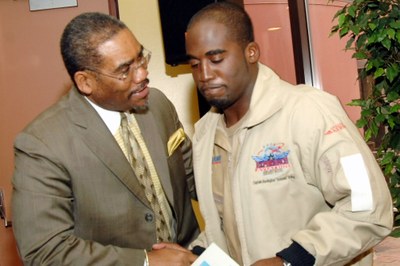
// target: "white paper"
[[214, 256], [48, 4], [357, 176]]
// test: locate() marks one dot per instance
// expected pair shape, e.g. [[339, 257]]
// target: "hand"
[[170, 254], [276, 261], [162, 245]]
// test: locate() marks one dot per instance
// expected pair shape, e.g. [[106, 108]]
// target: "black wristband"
[[197, 250], [296, 255]]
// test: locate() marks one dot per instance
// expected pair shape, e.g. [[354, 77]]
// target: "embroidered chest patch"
[[216, 159], [271, 158]]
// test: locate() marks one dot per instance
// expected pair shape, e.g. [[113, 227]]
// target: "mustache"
[[141, 86]]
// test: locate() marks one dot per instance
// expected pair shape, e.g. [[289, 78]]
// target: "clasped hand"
[[170, 254]]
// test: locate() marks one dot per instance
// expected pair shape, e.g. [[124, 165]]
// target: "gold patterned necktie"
[[142, 164]]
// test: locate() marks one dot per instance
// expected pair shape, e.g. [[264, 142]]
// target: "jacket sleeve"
[[43, 213], [336, 160]]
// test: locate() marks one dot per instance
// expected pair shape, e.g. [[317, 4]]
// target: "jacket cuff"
[[296, 255], [197, 250]]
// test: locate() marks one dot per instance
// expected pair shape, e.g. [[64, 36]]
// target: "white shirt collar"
[[112, 119]]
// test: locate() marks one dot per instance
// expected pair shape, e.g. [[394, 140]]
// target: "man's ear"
[[252, 52], [85, 82]]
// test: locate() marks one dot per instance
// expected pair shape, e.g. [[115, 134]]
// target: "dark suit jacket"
[[76, 200]]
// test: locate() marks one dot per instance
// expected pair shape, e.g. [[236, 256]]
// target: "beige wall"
[[143, 18]]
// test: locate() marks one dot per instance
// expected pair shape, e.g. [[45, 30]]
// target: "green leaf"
[[386, 43], [349, 43], [367, 134], [360, 55], [391, 33], [395, 142], [361, 40], [366, 112], [369, 65], [343, 31], [361, 123], [352, 11], [374, 128], [391, 122], [395, 24], [383, 110], [334, 29], [395, 108], [341, 19], [392, 96], [381, 35], [356, 102], [392, 72], [387, 168], [387, 158], [372, 26], [379, 73], [379, 119], [372, 4], [372, 38], [397, 162], [355, 29]]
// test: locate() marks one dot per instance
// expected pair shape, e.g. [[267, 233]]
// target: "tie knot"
[[123, 115], [124, 120]]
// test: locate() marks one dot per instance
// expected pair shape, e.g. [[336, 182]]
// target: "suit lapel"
[[157, 150], [99, 139]]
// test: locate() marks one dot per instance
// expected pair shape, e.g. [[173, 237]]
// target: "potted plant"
[[373, 31]]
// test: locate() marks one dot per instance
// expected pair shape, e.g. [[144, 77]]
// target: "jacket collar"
[[265, 100], [101, 142]]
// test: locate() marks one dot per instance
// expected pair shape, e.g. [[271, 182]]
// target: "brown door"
[[8, 248], [32, 77]]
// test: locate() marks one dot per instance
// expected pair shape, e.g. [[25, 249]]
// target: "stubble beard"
[[141, 108], [220, 104]]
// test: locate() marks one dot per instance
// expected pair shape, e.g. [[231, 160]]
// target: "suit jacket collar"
[[99, 139]]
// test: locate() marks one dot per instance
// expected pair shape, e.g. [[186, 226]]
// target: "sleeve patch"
[[357, 177]]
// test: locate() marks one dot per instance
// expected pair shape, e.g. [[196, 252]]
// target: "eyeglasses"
[[141, 62]]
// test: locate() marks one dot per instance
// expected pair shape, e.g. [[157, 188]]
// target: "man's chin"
[[220, 104], [141, 108]]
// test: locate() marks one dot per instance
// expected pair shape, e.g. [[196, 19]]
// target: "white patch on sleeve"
[[357, 176]]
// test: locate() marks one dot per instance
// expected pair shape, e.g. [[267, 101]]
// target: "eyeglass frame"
[[144, 59]]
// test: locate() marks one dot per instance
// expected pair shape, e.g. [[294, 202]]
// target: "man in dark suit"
[[77, 199]]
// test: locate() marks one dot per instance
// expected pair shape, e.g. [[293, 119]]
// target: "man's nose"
[[206, 72]]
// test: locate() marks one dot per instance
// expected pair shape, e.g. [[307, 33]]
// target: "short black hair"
[[81, 38], [232, 16]]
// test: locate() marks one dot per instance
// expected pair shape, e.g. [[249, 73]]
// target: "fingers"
[[170, 255], [159, 245], [170, 246]]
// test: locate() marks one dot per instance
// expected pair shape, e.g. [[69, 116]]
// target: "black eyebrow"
[[216, 51], [209, 53]]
